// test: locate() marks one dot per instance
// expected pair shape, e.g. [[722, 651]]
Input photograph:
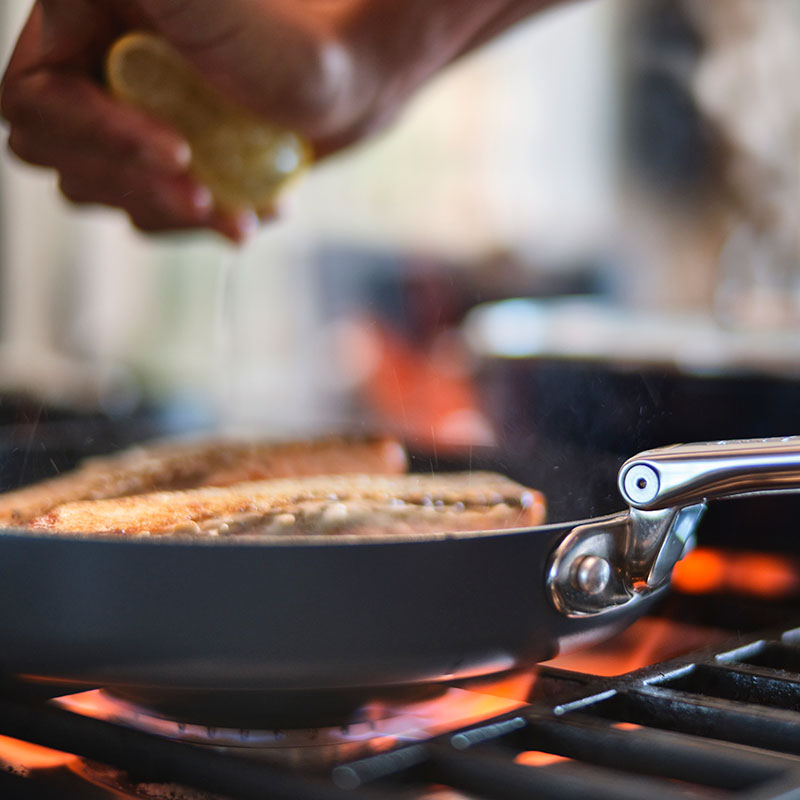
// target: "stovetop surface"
[[669, 709]]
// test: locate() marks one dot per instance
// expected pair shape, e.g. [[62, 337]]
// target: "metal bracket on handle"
[[657, 541], [606, 563], [585, 575]]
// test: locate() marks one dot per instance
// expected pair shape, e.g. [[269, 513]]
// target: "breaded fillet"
[[173, 465], [322, 504]]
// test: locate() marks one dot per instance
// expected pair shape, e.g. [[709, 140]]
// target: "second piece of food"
[[314, 505]]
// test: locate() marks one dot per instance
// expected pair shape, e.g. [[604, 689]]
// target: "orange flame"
[[763, 575], [538, 758], [647, 641], [31, 756]]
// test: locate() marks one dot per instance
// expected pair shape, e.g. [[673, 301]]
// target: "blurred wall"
[[513, 149]]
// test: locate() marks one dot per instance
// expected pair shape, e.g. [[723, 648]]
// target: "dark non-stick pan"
[[234, 629]]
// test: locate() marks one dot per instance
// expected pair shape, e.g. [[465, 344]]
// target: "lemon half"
[[245, 162]]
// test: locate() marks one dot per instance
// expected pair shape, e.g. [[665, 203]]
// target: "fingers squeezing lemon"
[[243, 161]]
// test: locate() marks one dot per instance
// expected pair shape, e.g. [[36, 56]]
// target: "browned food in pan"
[[324, 504], [173, 465]]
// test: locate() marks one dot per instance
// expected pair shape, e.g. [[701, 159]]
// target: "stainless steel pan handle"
[[605, 564], [690, 473]]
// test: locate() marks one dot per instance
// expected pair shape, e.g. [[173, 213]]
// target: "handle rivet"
[[591, 574]]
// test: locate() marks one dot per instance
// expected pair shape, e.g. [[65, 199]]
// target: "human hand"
[[105, 152], [333, 71]]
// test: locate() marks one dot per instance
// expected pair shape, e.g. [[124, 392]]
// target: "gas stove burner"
[[284, 708], [374, 728]]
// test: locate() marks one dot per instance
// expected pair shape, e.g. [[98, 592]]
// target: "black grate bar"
[[740, 684], [648, 751], [760, 672], [742, 723], [395, 764], [776, 655], [492, 773], [154, 758], [410, 761]]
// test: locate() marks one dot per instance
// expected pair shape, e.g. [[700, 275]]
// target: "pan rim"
[[262, 541]]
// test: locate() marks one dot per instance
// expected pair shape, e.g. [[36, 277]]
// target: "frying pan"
[[232, 630]]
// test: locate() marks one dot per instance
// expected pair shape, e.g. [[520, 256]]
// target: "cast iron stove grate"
[[719, 723]]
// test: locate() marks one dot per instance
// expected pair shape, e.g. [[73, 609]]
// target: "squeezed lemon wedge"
[[244, 162]]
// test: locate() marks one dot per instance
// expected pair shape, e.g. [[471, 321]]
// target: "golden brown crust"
[[172, 465], [326, 504]]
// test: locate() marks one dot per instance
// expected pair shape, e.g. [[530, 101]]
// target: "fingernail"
[[246, 224], [182, 155], [173, 158], [201, 198]]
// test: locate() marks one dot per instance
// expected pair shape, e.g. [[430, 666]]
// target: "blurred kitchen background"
[[624, 174]]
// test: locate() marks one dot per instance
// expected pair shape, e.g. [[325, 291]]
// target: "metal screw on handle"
[[641, 483], [591, 574]]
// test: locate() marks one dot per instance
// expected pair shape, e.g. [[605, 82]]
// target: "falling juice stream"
[[231, 267]]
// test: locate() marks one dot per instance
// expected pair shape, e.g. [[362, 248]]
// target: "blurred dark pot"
[[566, 425]]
